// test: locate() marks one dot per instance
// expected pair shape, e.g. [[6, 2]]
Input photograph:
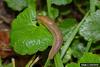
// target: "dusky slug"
[[52, 27]]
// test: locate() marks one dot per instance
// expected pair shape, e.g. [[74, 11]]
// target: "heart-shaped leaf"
[[90, 29], [28, 36]]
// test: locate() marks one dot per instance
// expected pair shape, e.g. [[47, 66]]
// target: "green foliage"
[[67, 56], [61, 2], [77, 49], [26, 36], [71, 37], [8, 65], [66, 26], [90, 29], [29, 36], [87, 58], [54, 13], [5, 65], [58, 61], [98, 3], [16, 4], [90, 58], [72, 65]]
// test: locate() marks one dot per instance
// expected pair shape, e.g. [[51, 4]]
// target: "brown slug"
[[52, 27]]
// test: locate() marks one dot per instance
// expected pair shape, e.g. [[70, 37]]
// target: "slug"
[[58, 38]]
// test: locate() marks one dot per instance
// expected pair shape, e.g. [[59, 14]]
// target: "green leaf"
[[5, 65], [98, 3], [97, 47], [66, 43], [71, 37], [0, 62], [16, 4], [90, 29], [28, 37], [77, 49], [72, 65], [90, 58], [58, 61], [67, 25], [61, 2], [54, 12], [87, 58], [67, 56], [8, 65]]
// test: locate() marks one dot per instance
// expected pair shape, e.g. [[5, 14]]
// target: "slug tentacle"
[[58, 39]]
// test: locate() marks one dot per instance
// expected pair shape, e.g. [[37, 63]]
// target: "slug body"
[[52, 27]]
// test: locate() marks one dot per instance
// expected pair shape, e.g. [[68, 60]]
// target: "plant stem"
[[88, 46], [32, 5], [30, 62], [35, 61], [13, 62], [0, 62], [92, 6], [79, 7], [68, 42], [58, 61], [49, 8], [47, 63], [34, 8]]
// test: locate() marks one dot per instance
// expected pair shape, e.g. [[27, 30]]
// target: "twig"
[[13, 62]]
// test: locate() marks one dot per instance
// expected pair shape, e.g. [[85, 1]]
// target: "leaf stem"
[[47, 63], [49, 8], [88, 45], [32, 5], [92, 6], [58, 61], [68, 42], [79, 7]]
